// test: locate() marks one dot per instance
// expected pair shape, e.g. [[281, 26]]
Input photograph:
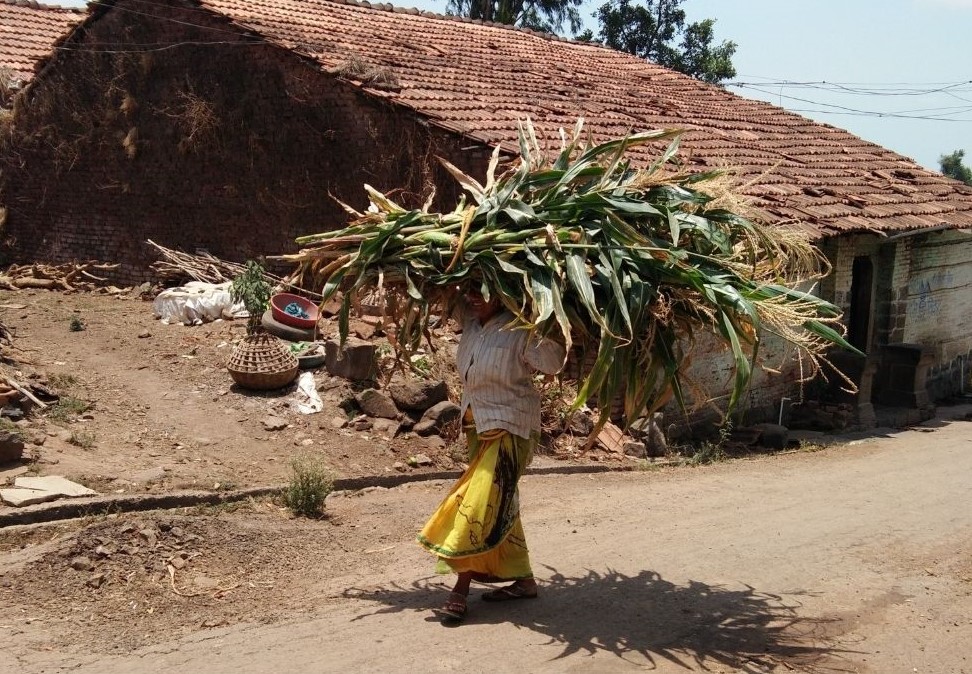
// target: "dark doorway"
[[859, 321]]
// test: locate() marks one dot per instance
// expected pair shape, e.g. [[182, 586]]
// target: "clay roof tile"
[[28, 32]]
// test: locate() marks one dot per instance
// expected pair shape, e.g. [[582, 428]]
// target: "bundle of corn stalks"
[[632, 262]]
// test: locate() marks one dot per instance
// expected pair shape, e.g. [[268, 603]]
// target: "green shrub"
[[309, 486]]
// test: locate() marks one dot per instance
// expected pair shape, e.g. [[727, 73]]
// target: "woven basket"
[[261, 361]]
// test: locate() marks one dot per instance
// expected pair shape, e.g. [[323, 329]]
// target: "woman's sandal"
[[454, 610], [509, 593]]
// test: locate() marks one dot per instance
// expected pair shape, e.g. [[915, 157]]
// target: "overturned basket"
[[261, 361]]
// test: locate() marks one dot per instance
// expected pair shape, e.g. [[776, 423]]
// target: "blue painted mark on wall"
[[924, 302], [940, 280]]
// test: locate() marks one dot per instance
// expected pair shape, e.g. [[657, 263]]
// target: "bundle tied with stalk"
[[588, 249]]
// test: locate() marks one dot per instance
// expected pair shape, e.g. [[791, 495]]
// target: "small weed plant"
[[62, 381], [76, 324], [309, 486], [253, 290], [82, 439], [422, 364], [706, 453], [67, 408]]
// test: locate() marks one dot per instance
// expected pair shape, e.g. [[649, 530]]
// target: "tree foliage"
[[953, 167], [657, 30], [545, 15]]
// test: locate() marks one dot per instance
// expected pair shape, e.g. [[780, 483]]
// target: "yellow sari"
[[477, 526]]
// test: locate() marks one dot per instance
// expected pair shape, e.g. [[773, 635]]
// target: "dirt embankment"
[[151, 408]]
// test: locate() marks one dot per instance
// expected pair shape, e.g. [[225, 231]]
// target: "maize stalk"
[[632, 262]]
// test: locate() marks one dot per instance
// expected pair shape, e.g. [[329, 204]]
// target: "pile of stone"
[[111, 552], [420, 406]]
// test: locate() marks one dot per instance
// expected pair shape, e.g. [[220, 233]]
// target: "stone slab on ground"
[[57, 485], [20, 497]]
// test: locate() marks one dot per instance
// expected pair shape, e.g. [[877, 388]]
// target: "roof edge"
[[395, 9]]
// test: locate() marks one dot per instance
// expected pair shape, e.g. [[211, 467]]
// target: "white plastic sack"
[[194, 303], [306, 400]]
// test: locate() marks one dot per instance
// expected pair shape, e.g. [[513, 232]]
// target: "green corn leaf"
[[828, 333]]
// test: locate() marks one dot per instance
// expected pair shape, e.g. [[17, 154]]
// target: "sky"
[[895, 72]]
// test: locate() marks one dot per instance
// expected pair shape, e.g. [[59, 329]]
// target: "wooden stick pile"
[[177, 265], [69, 276]]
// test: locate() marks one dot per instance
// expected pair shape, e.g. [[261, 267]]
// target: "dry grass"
[[7, 92], [359, 68], [7, 88], [130, 143], [198, 119]]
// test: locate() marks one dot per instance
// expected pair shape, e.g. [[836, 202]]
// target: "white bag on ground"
[[306, 400], [196, 302]]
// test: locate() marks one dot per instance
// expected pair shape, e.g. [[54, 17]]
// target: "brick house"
[[227, 125]]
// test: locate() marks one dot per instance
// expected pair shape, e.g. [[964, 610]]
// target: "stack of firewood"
[[177, 265], [69, 276]]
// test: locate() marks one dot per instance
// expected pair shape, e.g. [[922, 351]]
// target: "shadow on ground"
[[645, 617]]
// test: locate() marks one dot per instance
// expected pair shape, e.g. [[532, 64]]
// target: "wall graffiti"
[[924, 305], [940, 280], [924, 300]]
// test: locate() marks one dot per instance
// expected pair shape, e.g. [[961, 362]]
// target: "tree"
[[548, 16], [953, 167], [656, 30]]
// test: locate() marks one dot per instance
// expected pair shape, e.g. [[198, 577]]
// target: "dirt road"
[[850, 559]]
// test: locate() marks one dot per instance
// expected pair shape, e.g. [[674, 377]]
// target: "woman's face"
[[480, 307]]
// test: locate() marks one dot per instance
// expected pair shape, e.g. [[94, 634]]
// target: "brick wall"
[[921, 296], [937, 299], [778, 383], [236, 149]]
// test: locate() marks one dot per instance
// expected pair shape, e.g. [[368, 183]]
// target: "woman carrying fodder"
[[583, 247]]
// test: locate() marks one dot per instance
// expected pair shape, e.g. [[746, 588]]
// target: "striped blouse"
[[496, 366]]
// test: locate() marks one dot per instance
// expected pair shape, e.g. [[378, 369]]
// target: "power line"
[[866, 88], [833, 108]]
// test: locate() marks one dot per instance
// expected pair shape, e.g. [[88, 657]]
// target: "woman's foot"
[[521, 589], [454, 610]]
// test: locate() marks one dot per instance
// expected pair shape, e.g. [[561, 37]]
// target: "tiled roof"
[[28, 31], [479, 79]]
